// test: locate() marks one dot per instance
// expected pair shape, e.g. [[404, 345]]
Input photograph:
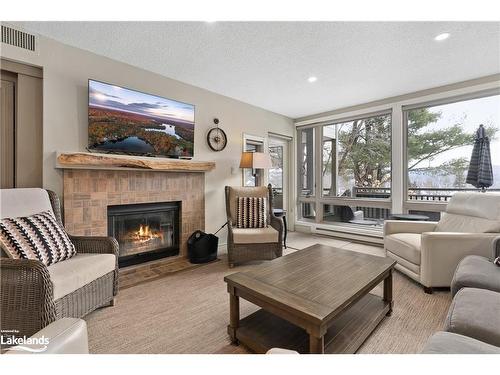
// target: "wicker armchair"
[[27, 286], [252, 244]]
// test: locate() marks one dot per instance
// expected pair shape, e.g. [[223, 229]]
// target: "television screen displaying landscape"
[[131, 122]]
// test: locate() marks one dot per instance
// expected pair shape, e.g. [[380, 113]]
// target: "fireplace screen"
[[145, 231]]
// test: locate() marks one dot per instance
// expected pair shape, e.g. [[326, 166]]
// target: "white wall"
[[66, 71]]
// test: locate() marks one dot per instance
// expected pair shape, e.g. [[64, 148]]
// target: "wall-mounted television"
[[126, 121]]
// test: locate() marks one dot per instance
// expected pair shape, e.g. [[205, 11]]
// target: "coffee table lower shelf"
[[262, 330]]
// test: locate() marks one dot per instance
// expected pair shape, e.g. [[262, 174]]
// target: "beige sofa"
[[429, 252], [33, 295]]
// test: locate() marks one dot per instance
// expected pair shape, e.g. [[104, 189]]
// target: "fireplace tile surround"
[[87, 193]]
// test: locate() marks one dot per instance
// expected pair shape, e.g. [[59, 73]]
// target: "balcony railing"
[[435, 195], [414, 194]]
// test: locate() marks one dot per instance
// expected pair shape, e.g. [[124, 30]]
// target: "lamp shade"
[[255, 160]]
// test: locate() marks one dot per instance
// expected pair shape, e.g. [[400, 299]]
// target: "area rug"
[[188, 311]]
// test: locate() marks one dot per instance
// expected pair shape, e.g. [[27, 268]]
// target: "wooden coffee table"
[[315, 300]]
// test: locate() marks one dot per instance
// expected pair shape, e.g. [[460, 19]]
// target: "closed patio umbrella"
[[480, 172]]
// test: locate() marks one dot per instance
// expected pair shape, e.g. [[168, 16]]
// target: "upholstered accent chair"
[[33, 295], [245, 244], [429, 252]]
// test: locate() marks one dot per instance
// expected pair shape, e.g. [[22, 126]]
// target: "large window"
[[357, 158], [354, 171], [439, 146], [409, 156]]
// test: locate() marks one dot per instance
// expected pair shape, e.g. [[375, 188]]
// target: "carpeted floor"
[[188, 312]]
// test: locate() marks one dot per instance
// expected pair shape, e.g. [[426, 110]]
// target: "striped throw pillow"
[[37, 237], [251, 212]]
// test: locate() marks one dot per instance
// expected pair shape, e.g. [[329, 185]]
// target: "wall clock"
[[216, 137]]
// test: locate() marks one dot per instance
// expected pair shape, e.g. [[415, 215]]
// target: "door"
[[21, 125], [7, 128], [279, 149]]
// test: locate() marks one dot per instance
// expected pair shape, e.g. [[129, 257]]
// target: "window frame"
[[318, 198]]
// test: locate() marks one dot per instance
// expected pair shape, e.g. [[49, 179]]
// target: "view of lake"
[[129, 144]]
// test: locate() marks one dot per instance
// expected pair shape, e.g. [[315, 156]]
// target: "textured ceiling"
[[267, 63]]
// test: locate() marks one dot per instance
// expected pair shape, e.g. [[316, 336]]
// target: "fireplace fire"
[[145, 231], [144, 234]]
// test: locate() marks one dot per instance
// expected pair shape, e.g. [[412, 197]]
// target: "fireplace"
[[145, 231]]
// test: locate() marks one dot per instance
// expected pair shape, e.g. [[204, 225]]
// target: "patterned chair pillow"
[[37, 237], [251, 212]]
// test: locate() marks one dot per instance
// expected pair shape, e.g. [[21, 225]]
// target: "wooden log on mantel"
[[89, 160]]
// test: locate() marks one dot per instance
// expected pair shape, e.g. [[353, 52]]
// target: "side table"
[[279, 212]]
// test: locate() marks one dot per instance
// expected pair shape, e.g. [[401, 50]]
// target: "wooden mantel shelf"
[[90, 160]]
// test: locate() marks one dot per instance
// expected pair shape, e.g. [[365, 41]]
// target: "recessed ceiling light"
[[312, 79], [442, 36]]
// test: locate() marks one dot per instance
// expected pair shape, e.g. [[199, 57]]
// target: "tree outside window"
[[357, 158]]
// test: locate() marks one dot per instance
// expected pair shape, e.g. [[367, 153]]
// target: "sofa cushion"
[[404, 245], [38, 237], [451, 343], [475, 313], [23, 202], [476, 272], [255, 235], [78, 271]]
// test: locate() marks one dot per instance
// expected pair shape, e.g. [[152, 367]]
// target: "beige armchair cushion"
[[485, 205], [71, 274], [244, 191], [255, 235], [23, 202], [471, 213], [405, 245], [467, 224]]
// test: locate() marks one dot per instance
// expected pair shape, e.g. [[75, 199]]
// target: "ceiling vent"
[[19, 38]]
